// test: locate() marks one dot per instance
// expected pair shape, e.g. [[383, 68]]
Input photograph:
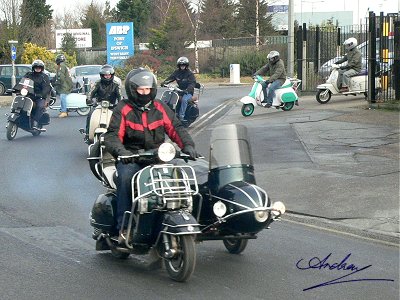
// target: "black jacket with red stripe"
[[132, 128]]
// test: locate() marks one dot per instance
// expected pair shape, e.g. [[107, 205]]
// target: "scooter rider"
[[140, 122], [41, 89], [186, 81], [105, 89], [275, 68], [353, 67]]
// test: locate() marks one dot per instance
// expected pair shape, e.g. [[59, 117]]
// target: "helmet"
[[140, 77], [60, 58], [38, 64], [107, 70], [350, 43], [273, 56], [182, 61]]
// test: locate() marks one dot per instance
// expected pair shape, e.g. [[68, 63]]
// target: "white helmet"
[[350, 43], [273, 56]]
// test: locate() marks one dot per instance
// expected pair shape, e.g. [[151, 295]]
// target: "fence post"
[[299, 44], [304, 58], [317, 57], [338, 44], [396, 67], [371, 57]]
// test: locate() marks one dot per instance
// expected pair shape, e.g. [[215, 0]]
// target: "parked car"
[[325, 69], [91, 72], [20, 70]]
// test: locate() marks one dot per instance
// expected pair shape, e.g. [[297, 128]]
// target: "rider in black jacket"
[[186, 81], [140, 122], [41, 89], [105, 89]]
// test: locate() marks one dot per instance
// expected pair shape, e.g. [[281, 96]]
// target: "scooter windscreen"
[[230, 147], [25, 83]]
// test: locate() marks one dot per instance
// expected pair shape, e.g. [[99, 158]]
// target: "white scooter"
[[358, 85], [99, 121], [285, 97]]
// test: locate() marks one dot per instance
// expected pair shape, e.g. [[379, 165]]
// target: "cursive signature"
[[343, 265]]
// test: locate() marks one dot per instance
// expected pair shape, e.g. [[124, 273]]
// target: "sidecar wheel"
[[288, 106], [182, 265], [235, 246], [323, 96], [119, 254], [83, 111], [247, 109], [12, 129]]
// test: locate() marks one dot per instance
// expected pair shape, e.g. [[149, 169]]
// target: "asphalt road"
[[47, 251]]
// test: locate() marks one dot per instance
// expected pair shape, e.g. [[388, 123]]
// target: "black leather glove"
[[89, 102], [189, 150], [126, 160], [163, 84]]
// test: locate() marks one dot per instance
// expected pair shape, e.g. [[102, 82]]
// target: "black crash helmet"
[[182, 61], [140, 77], [38, 64], [107, 70], [60, 58]]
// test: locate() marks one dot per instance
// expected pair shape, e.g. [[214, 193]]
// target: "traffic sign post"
[[13, 58]]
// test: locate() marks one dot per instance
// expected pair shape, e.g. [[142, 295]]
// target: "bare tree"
[[194, 22], [9, 14]]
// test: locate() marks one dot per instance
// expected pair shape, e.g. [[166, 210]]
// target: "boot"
[[35, 125], [63, 114]]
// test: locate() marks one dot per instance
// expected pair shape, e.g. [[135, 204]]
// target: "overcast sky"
[[359, 7]]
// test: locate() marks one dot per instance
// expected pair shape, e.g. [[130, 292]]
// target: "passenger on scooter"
[[353, 67], [275, 68], [186, 81], [41, 89], [105, 89], [140, 122]]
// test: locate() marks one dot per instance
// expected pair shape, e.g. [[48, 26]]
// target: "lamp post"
[[13, 58]]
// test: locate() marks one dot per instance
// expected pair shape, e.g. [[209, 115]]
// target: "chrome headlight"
[[261, 215], [219, 209], [24, 92], [166, 152], [105, 104], [278, 208]]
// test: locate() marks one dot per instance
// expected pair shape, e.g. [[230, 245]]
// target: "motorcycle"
[[99, 121], [21, 111], [172, 96], [75, 101], [358, 85], [285, 96], [175, 205]]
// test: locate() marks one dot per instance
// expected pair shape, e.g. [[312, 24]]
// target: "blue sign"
[[13, 52], [120, 44]]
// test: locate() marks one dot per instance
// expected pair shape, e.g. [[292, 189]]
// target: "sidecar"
[[232, 207]]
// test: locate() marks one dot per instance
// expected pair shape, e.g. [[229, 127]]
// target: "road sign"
[[13, 52]]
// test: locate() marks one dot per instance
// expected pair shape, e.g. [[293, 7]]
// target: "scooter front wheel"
[[12, 129], [323, 96], [288, 106], [247, 109], [83, 111], [235, 246], [181, 266]]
